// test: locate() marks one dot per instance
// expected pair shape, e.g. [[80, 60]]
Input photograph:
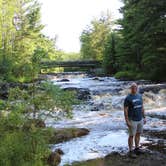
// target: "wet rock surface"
[[158, 116], [81, 93], [152, 88], [156, 146], [98, 79], [55, 158], [61, 135], [155, 134], [98, 107], [63, 80], [118, 159]]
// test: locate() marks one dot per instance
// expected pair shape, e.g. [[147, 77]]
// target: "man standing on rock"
[[135, 118]]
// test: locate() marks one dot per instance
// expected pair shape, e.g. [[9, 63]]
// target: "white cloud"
[[67, 18]]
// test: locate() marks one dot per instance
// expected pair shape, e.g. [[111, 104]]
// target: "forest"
[[132, 48], [128, 47]]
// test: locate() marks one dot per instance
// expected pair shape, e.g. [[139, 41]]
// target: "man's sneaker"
[[138, 151], [132, 154]]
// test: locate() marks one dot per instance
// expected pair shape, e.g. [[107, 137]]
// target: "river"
[[103, 115]]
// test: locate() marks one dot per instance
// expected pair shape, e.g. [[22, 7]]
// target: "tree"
[[109, 60], [20, 37], [27, 37], [7, 32], [94, 38], [143, 48]]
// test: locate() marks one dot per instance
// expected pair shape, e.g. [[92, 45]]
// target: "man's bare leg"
[[137, 140], [130, 143]]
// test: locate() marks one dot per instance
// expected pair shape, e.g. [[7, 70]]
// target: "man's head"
[[134, 88]]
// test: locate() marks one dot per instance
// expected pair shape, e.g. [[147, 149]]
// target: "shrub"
[[20, 148], [127, 75], [22, 141]]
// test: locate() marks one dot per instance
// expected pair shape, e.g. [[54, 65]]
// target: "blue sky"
[[67, 18]]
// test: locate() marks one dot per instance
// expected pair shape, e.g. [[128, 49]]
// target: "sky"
[[66, 19]]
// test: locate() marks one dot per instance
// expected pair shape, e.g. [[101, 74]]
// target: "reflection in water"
[[107, 127]]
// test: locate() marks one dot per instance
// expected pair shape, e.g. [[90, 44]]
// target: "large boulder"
[[4, 90], [55, 158], [63, 80], [155, 88], [97, 107], [81, 132], [81, 93], [61, 135], [97, 79]]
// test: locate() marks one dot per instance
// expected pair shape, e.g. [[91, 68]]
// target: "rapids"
[[103, 115]]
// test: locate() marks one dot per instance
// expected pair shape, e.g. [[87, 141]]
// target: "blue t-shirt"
[[134, 104]]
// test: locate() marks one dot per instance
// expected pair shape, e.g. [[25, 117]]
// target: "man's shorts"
[[136, 127]]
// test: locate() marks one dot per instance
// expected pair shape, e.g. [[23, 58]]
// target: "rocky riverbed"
[[101, 112]]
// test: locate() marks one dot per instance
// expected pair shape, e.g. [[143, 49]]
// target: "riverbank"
[[118, 159], [153, 153]]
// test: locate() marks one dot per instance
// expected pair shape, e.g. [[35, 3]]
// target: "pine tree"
[[143, 48], [109, 59]]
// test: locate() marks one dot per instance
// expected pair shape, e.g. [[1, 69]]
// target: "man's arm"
[[126, 116], [143, 114]]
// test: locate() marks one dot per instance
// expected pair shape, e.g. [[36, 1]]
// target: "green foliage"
[[110, 64], [49, 46], [20, 148], [21, 40], [100, 42], [143, 43], [129, 75], [94, 38], [16, 41], [41, 101], [71, 56], [23, 143], [53, 70], [22, 47]]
